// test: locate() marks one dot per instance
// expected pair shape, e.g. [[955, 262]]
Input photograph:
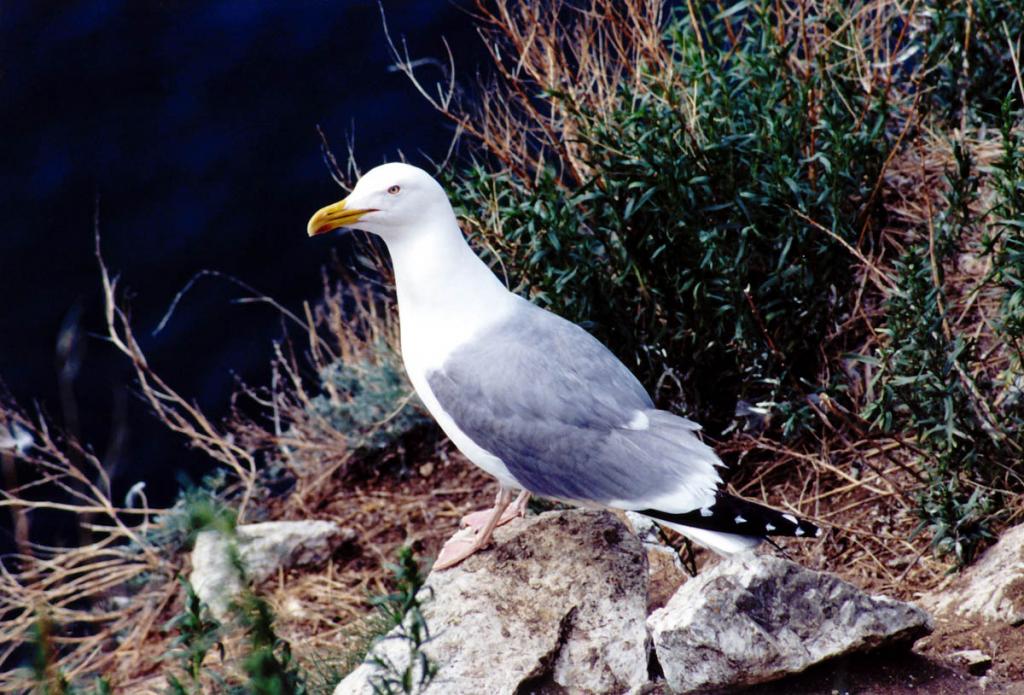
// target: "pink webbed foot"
[[457, 548], [477, 520], [469, 540]]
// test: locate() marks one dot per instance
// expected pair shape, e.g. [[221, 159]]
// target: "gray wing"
[[561, 412]]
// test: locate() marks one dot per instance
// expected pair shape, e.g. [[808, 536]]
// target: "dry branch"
[[84, 586]]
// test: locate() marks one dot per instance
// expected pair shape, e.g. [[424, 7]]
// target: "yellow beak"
[[333, 216]]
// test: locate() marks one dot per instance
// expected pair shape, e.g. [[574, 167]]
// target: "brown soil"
[[879, 673], [1003, 642]]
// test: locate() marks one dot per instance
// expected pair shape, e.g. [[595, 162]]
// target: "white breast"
[[428, 339]]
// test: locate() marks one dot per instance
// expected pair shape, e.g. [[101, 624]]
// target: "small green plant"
[[1004, 242], [269, 665], [46, 676], [401, 609], [198, 509], [198, 633], [921, 391], [362, 635], [323, 672]]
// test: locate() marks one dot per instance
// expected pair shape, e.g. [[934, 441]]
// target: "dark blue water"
[[193, 126]]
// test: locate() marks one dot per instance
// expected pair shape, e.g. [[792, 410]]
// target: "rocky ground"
[[577, 601]]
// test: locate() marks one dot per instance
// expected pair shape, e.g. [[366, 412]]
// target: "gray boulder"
[[755, 618], [262, 549], [992, 589], [557, 604]]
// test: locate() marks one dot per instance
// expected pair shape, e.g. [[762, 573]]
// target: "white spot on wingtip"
[[706, 511], [769, 527], [640, 421], [791, 519], [799, 531], [817, 534], [739, 520]]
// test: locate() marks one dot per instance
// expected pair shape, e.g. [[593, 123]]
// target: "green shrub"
[[1004, 240], [688, 248], [933, 382], [921, 392], [981, 79], [377, 409], [402, 609], [197, 509], [704, 203], [269, 664], [197, 633]]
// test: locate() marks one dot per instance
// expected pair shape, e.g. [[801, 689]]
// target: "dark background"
[[194, 126]]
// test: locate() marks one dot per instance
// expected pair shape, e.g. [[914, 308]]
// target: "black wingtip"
[[738, 516]]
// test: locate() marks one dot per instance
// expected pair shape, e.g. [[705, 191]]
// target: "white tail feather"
[[721, 543]]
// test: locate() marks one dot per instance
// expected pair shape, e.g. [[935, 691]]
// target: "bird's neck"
[[436, 267], [445, 292]]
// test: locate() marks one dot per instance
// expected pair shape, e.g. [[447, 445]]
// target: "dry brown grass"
[[110, 597], [113, 587], [176, 412], [583, 53], [355, 323]]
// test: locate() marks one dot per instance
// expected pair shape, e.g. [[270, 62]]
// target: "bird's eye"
[[394, 190]]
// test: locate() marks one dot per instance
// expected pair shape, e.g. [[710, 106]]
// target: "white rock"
[[214, 577], [559, 601], [262, 549], [755, 618], [975, 661], [992, 589], [644, 527]]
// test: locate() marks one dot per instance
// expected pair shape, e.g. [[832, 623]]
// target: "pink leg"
[[465, 542], [477, 520]]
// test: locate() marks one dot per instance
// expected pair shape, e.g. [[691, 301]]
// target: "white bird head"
[[388, 200]]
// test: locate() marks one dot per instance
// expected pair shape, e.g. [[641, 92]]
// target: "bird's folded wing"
[[569, 420]]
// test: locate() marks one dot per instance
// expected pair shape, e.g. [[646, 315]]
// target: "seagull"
[[531, 398]]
